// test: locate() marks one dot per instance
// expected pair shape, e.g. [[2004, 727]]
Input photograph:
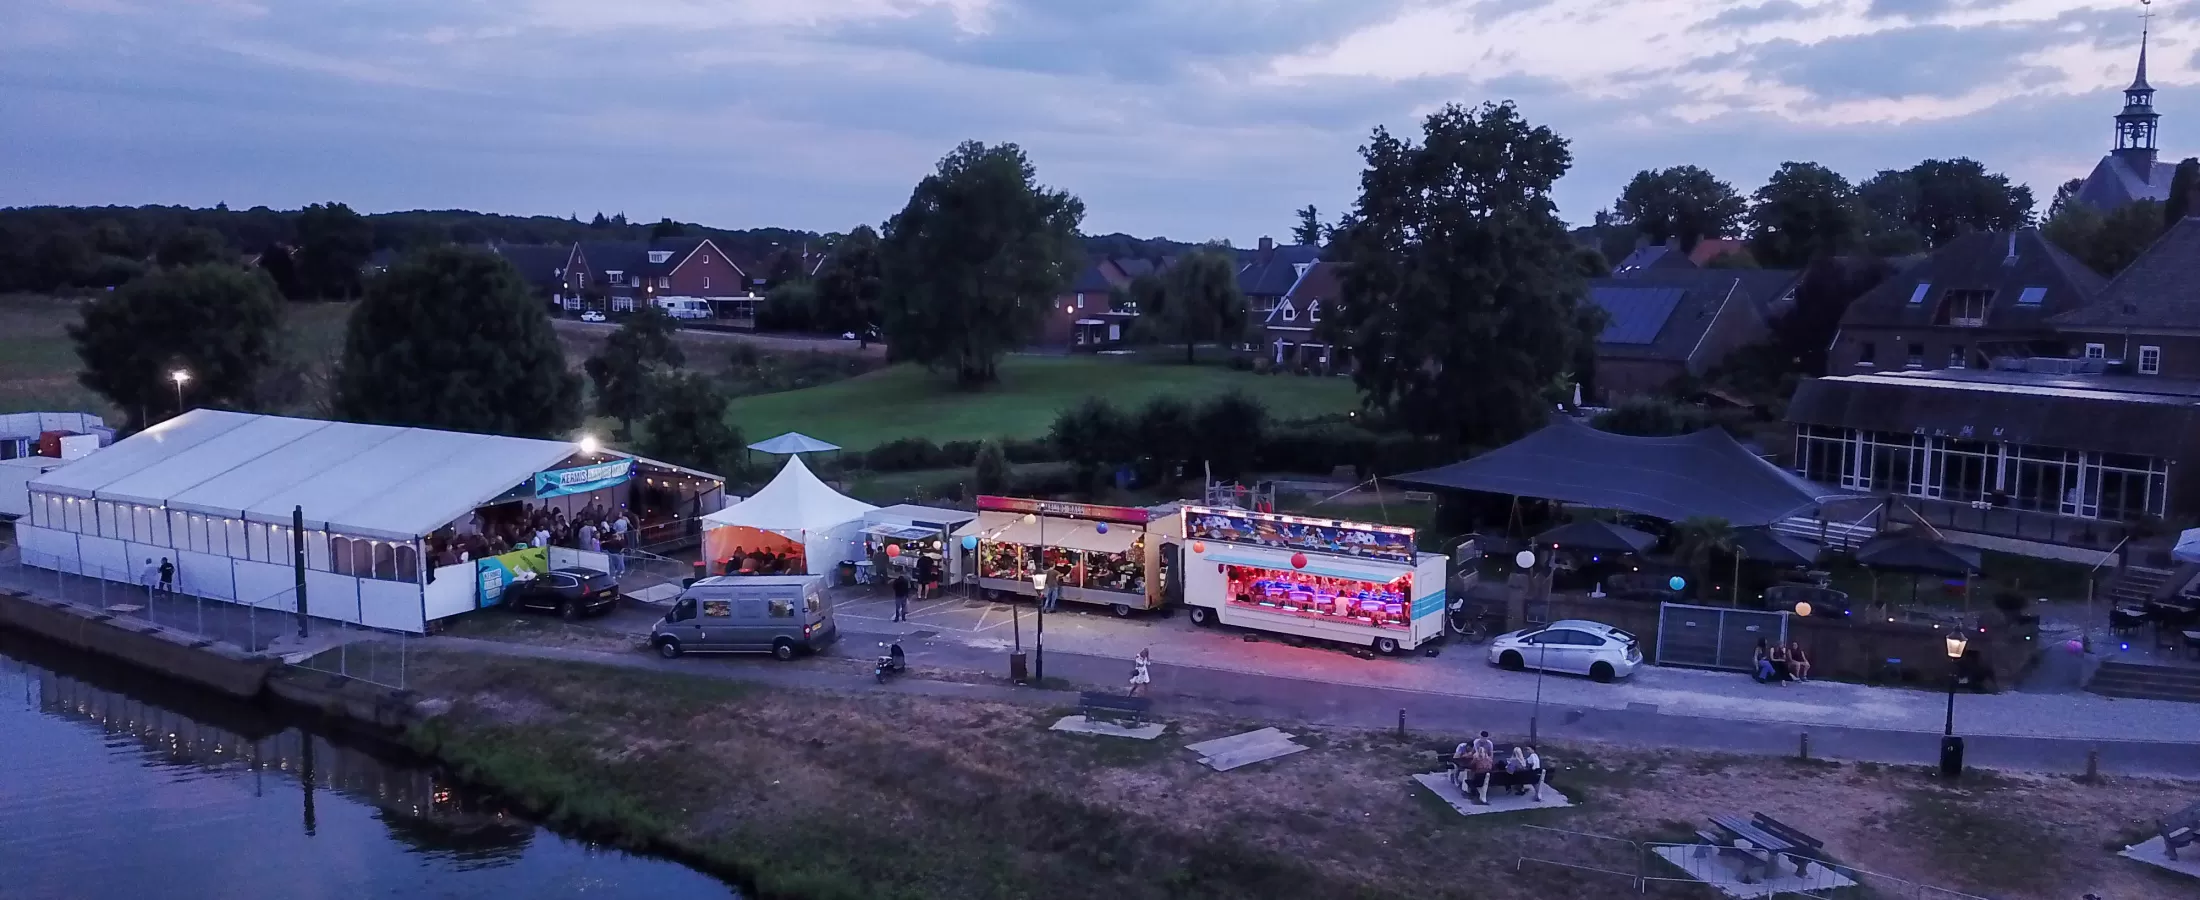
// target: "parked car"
[[1576, 646], [571, 592], [592, 316]]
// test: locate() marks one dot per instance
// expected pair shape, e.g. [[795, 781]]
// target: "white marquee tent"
[[798, 507], [215, 490]]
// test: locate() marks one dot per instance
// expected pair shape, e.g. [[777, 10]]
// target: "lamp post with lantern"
[[1951, 746]]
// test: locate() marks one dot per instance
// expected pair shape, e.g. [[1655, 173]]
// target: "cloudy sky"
[[1193, 119]]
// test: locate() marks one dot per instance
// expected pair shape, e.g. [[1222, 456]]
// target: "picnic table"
[[2179, 829], [1765, 835]]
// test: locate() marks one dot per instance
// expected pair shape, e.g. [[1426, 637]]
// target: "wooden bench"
[[1479, 790], [1751, 862], [1805, 849], [1107, 706], [2179, 829], [1760, 841]]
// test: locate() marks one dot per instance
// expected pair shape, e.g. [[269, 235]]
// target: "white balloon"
[[1524, 559]]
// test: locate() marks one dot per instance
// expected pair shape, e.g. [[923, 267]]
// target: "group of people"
[[1473, 759], [1779, 664], [595, 528], [926, 583], [763, 562]]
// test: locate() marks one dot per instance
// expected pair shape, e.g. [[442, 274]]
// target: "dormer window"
[[1289, 314], [1965, 309], [658, 257], [1314, 311]]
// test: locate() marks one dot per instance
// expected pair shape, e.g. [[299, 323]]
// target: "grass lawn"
[[908, 401]]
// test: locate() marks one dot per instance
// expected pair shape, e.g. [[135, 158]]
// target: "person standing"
[[167, 577], [542, 536], [150, 577], [1141, 672], [901, 597]]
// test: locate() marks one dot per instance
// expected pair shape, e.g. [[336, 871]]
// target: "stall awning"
[[1317, 565], [1068, 534], [900, 532]]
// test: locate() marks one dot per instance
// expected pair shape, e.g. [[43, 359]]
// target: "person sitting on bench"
[[1798, 661], [1516, 764]]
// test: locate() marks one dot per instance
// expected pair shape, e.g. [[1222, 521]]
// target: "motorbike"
[[892, 662]]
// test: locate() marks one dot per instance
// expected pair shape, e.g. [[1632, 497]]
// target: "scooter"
[[892, 662]]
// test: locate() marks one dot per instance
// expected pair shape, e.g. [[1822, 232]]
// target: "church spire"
[[2146, 23], [2136, 125]]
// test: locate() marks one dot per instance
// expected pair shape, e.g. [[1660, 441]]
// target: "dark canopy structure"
[[1596, 537], [1672, 478], [1918, 556], [1767, 546]]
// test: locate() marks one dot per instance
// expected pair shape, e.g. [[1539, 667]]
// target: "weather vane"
[[2146, 14]]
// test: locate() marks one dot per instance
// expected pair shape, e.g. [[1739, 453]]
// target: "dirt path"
[[594, 332]]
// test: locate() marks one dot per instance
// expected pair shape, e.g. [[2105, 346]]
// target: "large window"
[[2036, 479]]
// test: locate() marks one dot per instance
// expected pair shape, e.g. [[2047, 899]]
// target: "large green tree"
[[333, 243], [451, 338], [687, 425], [1804, 211], [1822, 297], [974, 261], [2106, 243], [1937, 201], [626, 369], [217, 323], [1199, 302], [2181, 187], [849, 284], [191, 246], [1308, 233], [1683, 202], [1460, 291]]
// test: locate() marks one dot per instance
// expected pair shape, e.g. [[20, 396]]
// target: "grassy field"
[[813, 794], [38, 363], [907, 401]]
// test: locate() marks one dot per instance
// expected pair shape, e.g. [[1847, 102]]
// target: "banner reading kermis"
[[582, 479]]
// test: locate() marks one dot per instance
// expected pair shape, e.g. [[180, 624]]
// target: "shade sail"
[[795, 500], [1925, 556], [1672, 478], [793, 442], [1765, 546], [1601, 537]]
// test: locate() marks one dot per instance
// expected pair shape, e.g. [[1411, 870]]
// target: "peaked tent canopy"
[[796, 507], [793, 442], [1596, 537], [1706, 473], [1918, 555]]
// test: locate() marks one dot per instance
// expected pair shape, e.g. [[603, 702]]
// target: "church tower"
[[2136, 125]]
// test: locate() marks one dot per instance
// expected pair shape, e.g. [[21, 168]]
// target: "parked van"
[[777, 614]]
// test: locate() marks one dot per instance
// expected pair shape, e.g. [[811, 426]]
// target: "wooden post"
[[1804, 752]]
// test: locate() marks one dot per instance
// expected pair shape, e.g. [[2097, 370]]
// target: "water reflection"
[[111, 784]]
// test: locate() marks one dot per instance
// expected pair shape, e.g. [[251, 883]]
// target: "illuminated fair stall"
[[1113, 556], [1349, 582]]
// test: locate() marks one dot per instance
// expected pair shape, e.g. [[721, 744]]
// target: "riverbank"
[[826, 794]]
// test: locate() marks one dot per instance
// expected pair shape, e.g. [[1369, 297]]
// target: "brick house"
[[1086, 317], [1285, 331], [1664, 322], [1977, 297], [2147, 320], [632, 272]]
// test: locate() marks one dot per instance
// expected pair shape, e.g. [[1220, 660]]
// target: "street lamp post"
[[1039, 583], [179, 376], [1526, 561], [1951, 747]]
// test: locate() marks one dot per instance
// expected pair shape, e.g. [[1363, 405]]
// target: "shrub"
[[1048, 481], [1651, 417], [960, 453], [1229, 430], [990, 473], [904, 455], [1035, 450]]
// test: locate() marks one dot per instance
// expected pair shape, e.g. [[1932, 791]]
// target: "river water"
[[117, 786]]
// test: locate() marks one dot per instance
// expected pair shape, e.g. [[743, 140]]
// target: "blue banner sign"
[[582, 479]]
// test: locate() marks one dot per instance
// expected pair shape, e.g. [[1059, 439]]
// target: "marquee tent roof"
[[366, 480], [794, 501], [1672, 478], [793, 442]]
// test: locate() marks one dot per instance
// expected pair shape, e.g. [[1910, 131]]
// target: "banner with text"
[[499, 572], [582, 479]]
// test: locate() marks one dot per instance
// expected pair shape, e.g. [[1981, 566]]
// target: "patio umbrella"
[[1765, 546], [1918, 556], [1596, 537]]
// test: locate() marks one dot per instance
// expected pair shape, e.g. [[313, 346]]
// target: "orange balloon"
[[1199, 546]]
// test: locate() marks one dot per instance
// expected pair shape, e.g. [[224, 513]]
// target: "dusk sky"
[[1193, 119]]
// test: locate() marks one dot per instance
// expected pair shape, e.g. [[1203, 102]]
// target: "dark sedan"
[[570, 592]]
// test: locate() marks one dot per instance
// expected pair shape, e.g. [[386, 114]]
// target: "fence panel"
[[1709, 637], [1608, 858]]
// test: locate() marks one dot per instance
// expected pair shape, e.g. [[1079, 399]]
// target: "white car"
[[1578, 646], [592, 316]]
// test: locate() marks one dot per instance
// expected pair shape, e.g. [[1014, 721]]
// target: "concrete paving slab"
[[1251, 755], [1222, 745], [2152, 852], [1501, 801], [1104, 728], [1237, 750], [1723, 872]]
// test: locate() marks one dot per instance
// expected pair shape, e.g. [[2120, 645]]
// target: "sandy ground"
[[977, 799]]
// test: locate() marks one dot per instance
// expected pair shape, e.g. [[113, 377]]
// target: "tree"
[[687, 425], [1460, 284], [1939, 200], [277, 263], [666, 228], [1822, 298], [1230, 428], [1199, 302], [1146, 293], [628, 366], [599, 222], [1804, 211], [2106, 244], [333, 243], [791, 306], [989, 471], [1733, 259], [62, 259], [216, 322], [973, 262], [2066, 194], [191, 246], [1165, 429], [1699, 542], [450, 338], [1308, 233], [1091, 435], [1684, 203], [849, 284], [2181, 186], [1649, 417]]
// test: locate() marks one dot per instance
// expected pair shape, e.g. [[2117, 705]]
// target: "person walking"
[[1141, 672], [167, 577], [901, 597], [150, 577]]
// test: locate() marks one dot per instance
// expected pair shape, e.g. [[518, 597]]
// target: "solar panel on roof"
[[1637, 314]]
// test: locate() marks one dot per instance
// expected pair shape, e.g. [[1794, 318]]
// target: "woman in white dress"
[[1141, 671]]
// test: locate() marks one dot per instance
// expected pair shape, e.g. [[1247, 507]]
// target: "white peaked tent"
[[795, 506]]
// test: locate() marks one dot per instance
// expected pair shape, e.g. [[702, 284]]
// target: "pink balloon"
[[2074, 646]]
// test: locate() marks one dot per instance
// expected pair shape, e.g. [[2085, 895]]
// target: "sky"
[[1191, 119]]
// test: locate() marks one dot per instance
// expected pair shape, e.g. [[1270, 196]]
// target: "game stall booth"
[[1113, 556], [1349, 582], [897, 537]]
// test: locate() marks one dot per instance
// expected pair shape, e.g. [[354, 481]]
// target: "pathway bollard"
[[2093, 764], [1804, 753], [1401, 724]]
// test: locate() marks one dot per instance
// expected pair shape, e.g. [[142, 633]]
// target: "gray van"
[[777, 614]]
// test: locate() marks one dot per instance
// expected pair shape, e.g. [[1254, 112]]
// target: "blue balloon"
[[970, 542], [1101, 527], [1678, 582]]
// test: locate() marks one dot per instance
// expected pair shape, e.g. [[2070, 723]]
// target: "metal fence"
[[1710, 637], [1666, 869]]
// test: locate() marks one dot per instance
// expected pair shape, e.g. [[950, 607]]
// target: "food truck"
[[1348, 582], [1116, 556]]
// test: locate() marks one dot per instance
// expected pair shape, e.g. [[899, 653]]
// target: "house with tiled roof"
[[2147, 320], [628, 273], [1972, 299], [1662, 323], [542, 266], [1287, 338], [1087, 316]]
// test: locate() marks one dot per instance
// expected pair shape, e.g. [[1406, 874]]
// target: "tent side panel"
[[267, 586], [451, 591], [394, 605]]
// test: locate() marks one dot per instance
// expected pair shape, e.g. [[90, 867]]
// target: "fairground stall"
[[1114, 556], [796, 525], [400, 526], [1348, 582], [898, 537]]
